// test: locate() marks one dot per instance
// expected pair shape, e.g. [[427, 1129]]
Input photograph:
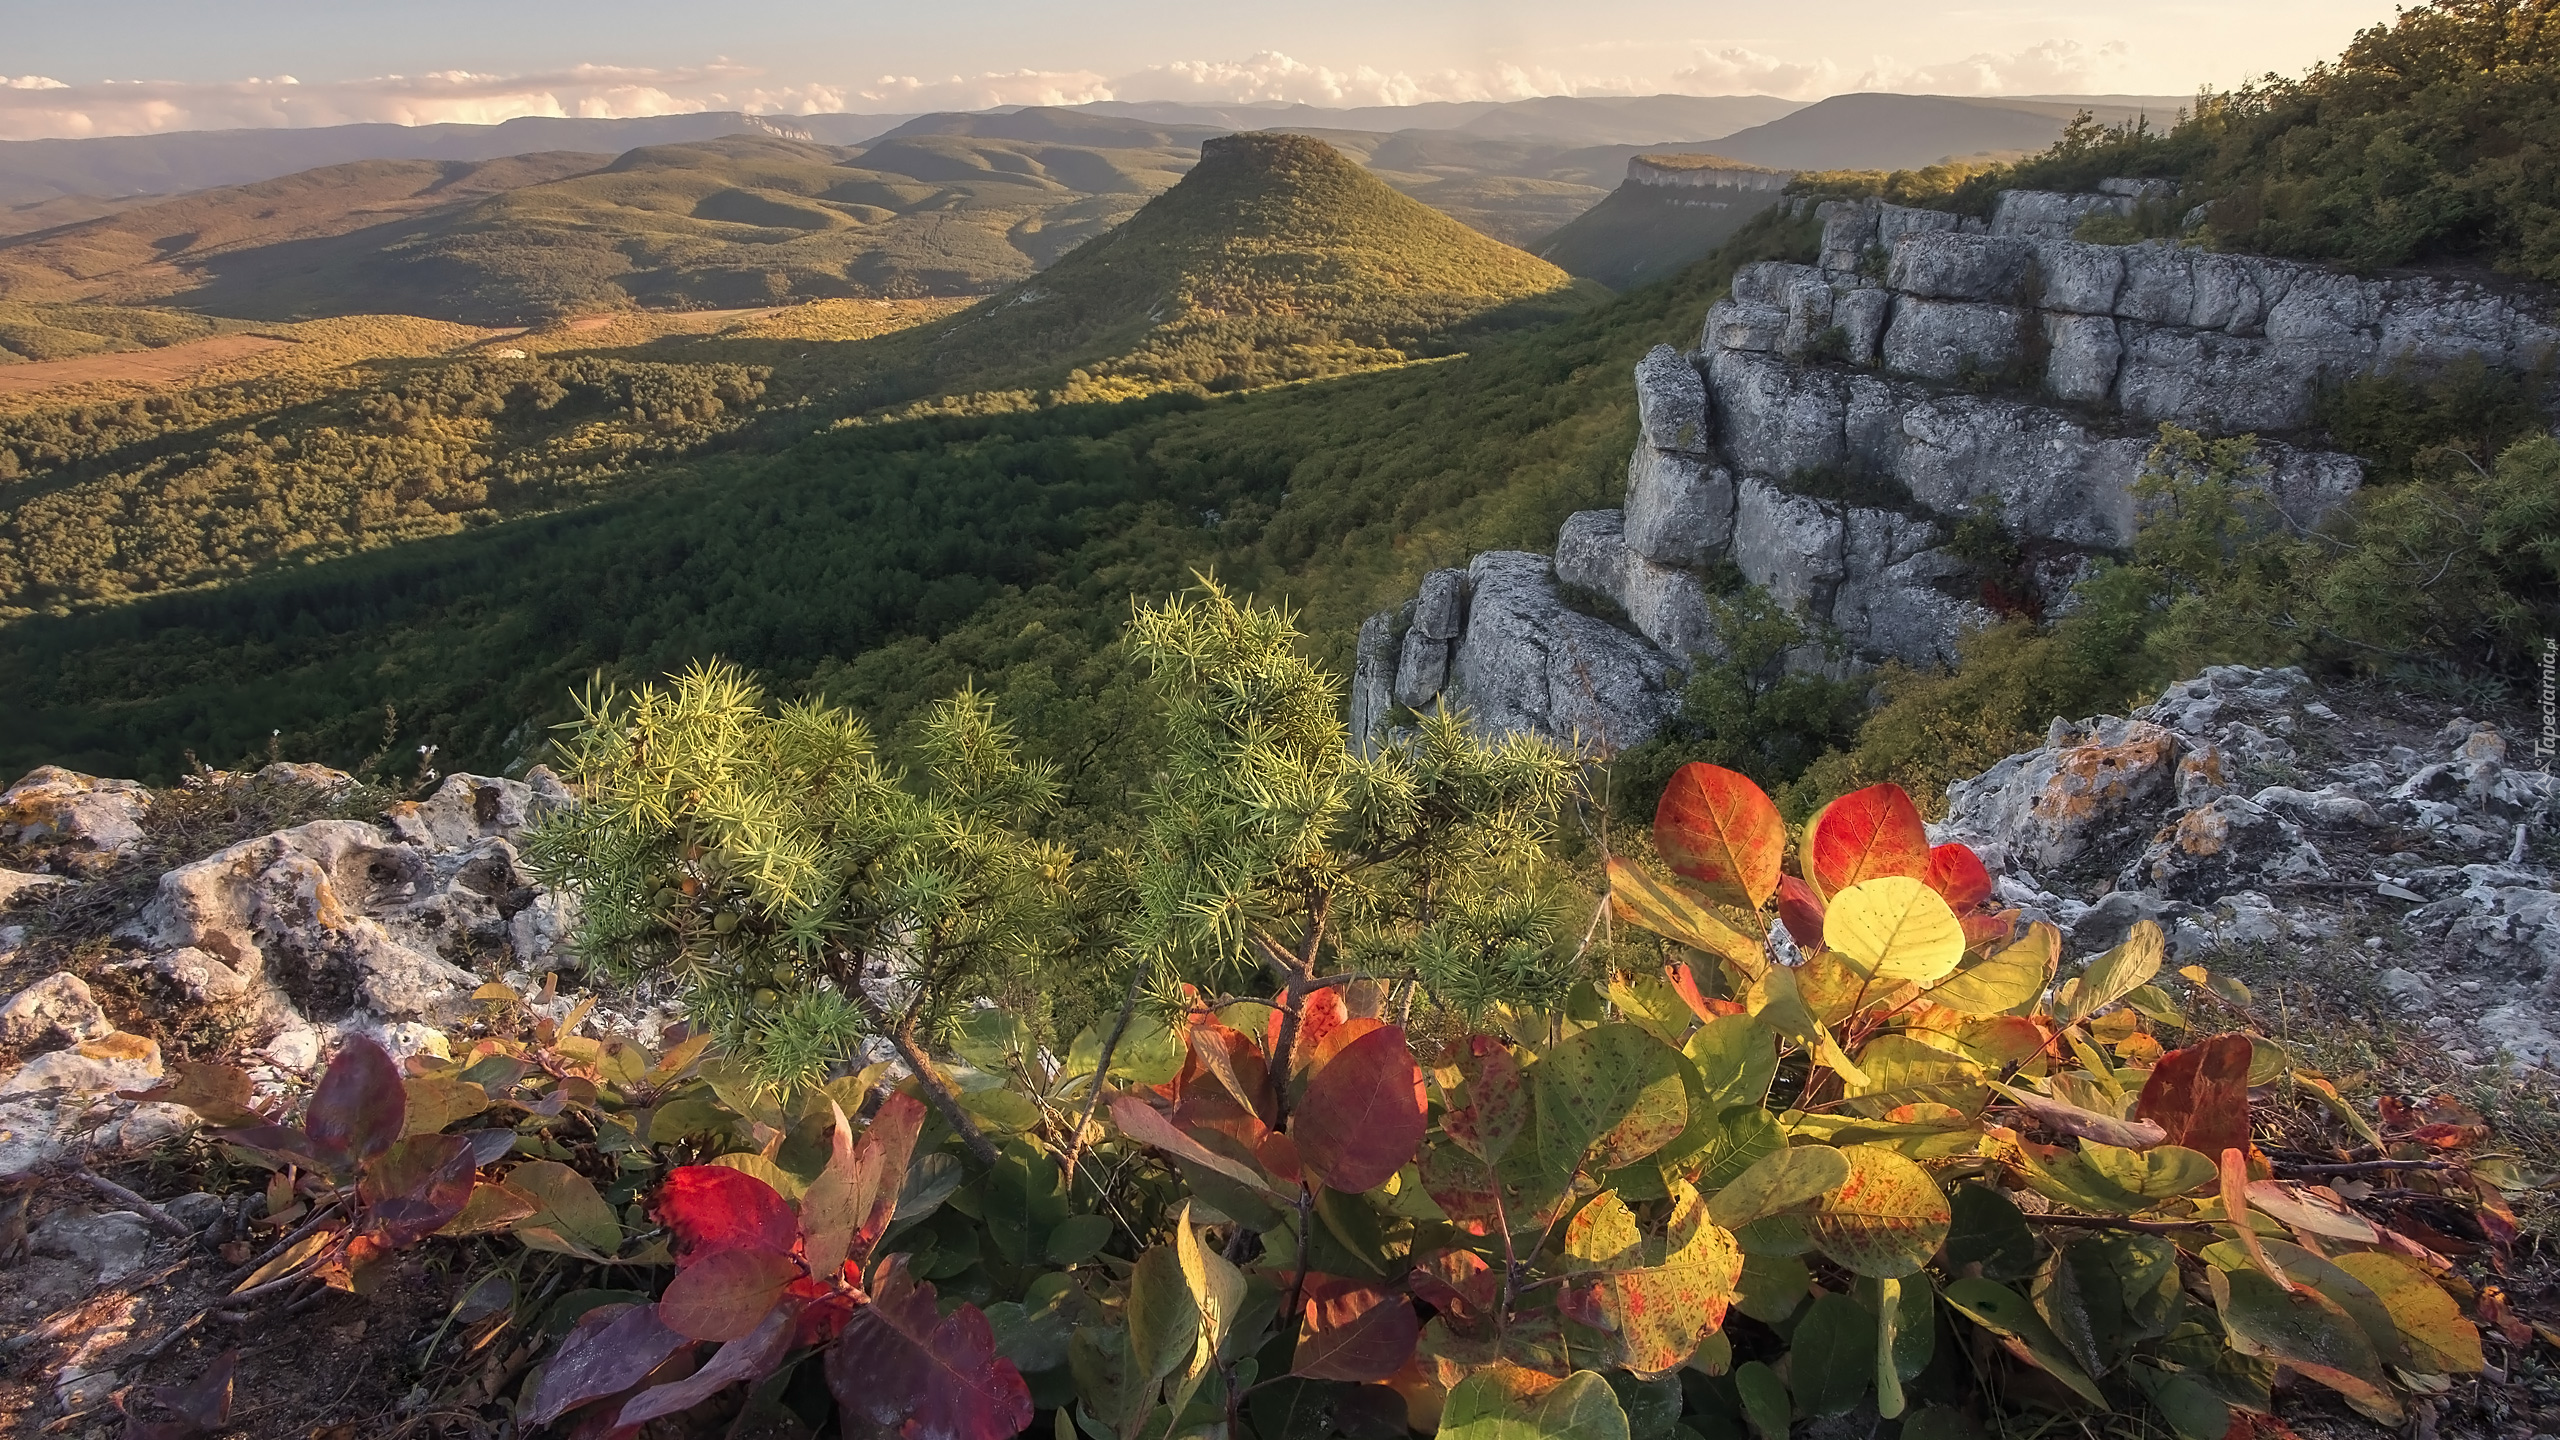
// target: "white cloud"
[[36, 106], [2047, 67]]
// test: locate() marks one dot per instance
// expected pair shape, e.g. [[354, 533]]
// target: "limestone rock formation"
[[1839, 420], [326, 928], [1516, 657], [2244, 809], [85, 821]]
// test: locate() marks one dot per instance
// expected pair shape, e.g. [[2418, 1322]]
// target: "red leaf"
[[725, 1294], [1862, 835], [750, 1357], [712, 1207], [417, 1186], [2200, 1095], [1717, 828], [612, 1349], [1318, 1016], [1988, 932], [1361, 1119], [1354, 1331], [1802, 911], [1497, 1096], [359, 1105], [202, 1409], [893, 1132], [1456, 1281], [920, 1376], [1956, 873]]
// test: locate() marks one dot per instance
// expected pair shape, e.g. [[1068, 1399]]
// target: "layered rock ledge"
[[1838, 421]]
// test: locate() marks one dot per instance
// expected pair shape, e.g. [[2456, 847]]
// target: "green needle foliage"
[[800, 893], [1269, 844]]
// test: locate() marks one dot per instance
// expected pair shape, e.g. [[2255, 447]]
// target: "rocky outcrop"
[[1840, 420], [295, 937], [2244, 809], [340, 918], [1517, 658], [83, 821]]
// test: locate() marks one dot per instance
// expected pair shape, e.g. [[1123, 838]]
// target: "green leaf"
[[1902, 1070], [2112, 976], [2103, 1294], [1985, 1228], [2006, 1314], [1833, 1356], [1024, 1201], [1505, 1402], [1780, 1182], [1611, 1094], [747, 1162], [1739, 1139], [2195, 1412], [1915, 1331], [1885, 1220], [1737, 1057], [1648, 904], [2001, 983], [1771, 1287], [1078, 1238], [1164, 1323], [571, 1210], [1765, 1402], [2308, 1331], [2160, 1173]]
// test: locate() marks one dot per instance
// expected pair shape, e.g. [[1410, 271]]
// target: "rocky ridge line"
[[1830, 431]]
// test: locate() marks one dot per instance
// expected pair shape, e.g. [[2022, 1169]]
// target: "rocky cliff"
[[1838, 420]]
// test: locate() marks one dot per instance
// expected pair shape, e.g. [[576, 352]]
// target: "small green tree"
[[1270, 847], [800, 894]]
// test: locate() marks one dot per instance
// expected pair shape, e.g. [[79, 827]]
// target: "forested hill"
[[1275, 259], [884, 563]]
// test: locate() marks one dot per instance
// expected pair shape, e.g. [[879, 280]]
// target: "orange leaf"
[[1863, 835], [1715, 827], [2235, 1208]]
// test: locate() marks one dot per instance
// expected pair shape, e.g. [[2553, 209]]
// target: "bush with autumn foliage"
[[1397, 1126]]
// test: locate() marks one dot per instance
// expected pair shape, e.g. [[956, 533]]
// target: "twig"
[[2109, 1222], [1102, 1072], [159, 1218], [2361, 1167], [297, 1237]]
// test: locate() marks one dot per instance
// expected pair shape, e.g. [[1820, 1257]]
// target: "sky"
[[120, 67]]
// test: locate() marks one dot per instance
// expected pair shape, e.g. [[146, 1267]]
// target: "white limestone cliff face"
[[1838, 420]]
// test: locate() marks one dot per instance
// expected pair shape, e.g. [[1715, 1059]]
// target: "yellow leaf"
[[1647, 903], [1895, 928]]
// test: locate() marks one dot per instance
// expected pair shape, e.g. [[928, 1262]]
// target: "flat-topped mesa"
[[1710, 173], [1840, 420]]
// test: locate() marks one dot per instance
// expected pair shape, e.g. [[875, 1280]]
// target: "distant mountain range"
[[538, 218], [39, 172]]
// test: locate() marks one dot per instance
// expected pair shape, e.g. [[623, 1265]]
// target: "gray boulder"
[[1529, 664]]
